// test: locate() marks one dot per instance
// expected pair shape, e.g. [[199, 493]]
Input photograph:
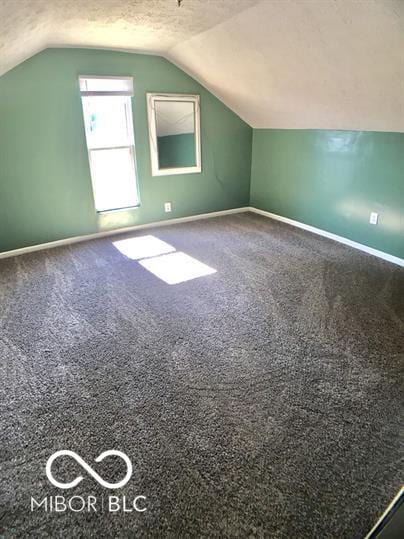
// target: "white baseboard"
[[104, 233], [331, 236], [167, 222]]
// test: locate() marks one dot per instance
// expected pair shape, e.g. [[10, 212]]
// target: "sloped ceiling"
[[331, 64], [336, 64]]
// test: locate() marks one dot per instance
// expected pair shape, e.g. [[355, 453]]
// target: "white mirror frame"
[[151, 100]]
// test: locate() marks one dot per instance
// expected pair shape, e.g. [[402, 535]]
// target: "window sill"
[[102, 212]]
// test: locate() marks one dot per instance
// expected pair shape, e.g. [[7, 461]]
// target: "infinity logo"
[[88, 469]]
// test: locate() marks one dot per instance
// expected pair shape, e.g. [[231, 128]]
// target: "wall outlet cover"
[[374, 217], [167, 207]]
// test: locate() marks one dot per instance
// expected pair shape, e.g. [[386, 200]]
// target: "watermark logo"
[[90, 503], [88, 469]]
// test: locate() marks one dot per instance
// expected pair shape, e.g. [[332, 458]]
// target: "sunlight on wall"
[[176, 268], [143, 247], [162, 259]]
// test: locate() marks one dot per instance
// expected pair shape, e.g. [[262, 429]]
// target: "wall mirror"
[[174, 131]]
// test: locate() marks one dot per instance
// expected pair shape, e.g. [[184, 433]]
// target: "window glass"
[[110, 142]]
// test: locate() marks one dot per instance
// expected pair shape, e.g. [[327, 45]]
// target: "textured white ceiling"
[[332, 64], [28, 26]]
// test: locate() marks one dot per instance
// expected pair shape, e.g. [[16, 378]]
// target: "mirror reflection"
[[175, 127], [174, 131]]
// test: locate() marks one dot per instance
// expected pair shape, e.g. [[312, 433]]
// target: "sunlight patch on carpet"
[[143, 247], [176, 268]]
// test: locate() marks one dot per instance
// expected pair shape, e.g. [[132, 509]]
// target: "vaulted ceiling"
[[333, 64]]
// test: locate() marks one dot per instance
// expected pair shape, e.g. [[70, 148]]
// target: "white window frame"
[[151, 100], [129, 124]]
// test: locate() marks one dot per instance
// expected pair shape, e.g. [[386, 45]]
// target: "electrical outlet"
[[167, 207], [374, 217]]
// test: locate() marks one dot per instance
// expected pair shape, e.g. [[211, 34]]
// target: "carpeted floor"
[[262, 400]]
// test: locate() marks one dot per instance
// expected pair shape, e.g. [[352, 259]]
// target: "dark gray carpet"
[[263, 400]]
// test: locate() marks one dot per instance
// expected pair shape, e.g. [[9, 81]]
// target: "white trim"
[[86, 93], [151, 114], [331, 236], [105, 233], [167, 222]]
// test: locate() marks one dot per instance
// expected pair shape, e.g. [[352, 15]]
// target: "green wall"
[[176, 150], [333, 180], [45, 185], [328, 179]]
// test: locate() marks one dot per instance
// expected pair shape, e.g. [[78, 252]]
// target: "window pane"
[[106, 121], [113, 176]]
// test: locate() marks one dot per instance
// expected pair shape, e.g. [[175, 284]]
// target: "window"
[[107, 111]]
